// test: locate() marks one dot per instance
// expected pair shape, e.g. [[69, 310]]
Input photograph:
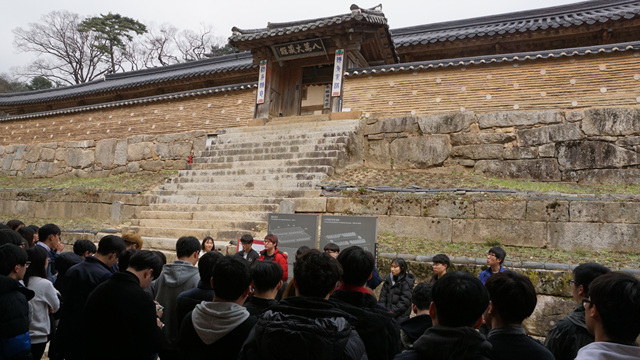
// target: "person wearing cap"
[[247, 252], [271, 253]]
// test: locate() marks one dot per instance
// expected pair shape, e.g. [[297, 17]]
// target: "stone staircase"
[[243, 176]]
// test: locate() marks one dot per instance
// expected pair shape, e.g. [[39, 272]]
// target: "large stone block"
[[598, 176], [447, 208], [120, 156], [420, 152], [519, 118], [435, 229], [80, 159], [393, 125], [574, 236], [105, 153], [171, 138], [517, 153], [378, 156], [548, 311], [577, 155], [32, 153], [547, 210], [151, 165], [1, 150], [358, 205], [446, 123], [80, 144], [477, 138], [47, 154], [605, 211], [501, 209], [6, 162], [44, 169], [177, 150], [478, 152], [549, 134], [139, 151], [514, 233], [537, 169], [611, 121]]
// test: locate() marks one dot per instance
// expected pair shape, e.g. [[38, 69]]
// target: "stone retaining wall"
[[103, 157], [591, 145]]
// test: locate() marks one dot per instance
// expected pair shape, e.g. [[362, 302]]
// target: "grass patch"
[[64, 224], [416, 246], [124, 182]]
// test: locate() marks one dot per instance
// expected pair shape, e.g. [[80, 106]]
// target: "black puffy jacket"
[[303, 328], [14, 319], [568, 335], [397, 296]]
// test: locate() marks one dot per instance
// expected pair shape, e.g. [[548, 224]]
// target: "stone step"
[[240, 193], [229, 224], [281, 136], [216, 233], [250, 143], [184, 208], [317, 176], [213, 164], [179, 199], [275, 127], [299, 119], [256, 171], [168, 245], [229, 215], [222, 150], [301, 158]]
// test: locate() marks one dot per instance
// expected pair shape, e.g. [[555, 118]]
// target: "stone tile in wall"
[[547, 210], [598, 176], [105, 153], [137, 151], [466, 138], [446, 123], [578, 155], [478, 152], [420, 151], [377, 154], [550, 133], [515, 232], [435, 229], [547, 151], [360, 205], [501, 209], [605, 212], [536, 169], [392, 125], [447, 208], [405, 205], [514, 118], [611, 121], [549, 309], [574, 236], [515, 153]]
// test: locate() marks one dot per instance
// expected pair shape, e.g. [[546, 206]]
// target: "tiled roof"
[[120, 81], [279, 29], [148, 99], [630, 46], [587, 12]]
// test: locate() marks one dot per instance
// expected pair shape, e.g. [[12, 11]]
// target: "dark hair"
[[513, 296], [357, 265], [206, 264], [10, 256], [316, 273], [125, 258], [146, 259], [499, 253], [301, 250], [273, 239], [584, 274], [266, 275], [82, 246], [402, 264], [109, 244], [246, 239], [231, 277], [3, 226], [35, 228], [460, 299], [205, 240], [8, 236], [332, 247], [38, 257], [617, 299], [421, 296], [27, 233], [187, 245], [161, 255], [46, 230], [14, 224], [442, 259]]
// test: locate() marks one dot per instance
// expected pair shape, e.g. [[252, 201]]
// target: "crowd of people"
[[118, 301]]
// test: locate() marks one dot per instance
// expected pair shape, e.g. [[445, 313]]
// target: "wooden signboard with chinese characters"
[[299, 49]]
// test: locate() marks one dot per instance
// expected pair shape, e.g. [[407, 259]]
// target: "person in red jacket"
[[271, 253]]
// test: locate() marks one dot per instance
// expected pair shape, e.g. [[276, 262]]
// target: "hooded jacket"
[[14, 318], [568, 335], [413, 328], [174, 279], [280, 258], [215, 330], [304, 328], [396, 295], [449, 343], [608, 351]]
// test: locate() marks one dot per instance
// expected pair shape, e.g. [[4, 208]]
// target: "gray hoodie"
[[608, 351], [213, 320]]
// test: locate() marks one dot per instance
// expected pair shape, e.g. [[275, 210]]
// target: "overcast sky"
[[245, 14]]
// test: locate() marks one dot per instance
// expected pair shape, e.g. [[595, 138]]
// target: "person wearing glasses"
[[495, 258], [568, 335]]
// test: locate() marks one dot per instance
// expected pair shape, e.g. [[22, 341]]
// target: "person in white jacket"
[[44, 303], [612, 314]]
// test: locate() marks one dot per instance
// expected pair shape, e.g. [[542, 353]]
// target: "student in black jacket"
[[396, 291]]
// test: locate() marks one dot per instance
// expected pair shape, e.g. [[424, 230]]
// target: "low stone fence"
[[103, 157], [590, 145]]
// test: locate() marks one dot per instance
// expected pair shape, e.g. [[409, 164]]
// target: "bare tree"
[[195, 45], [65, 55]]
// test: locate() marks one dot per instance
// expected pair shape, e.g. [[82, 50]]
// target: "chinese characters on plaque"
[[299, 49], [262, 81], [337, 73]]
